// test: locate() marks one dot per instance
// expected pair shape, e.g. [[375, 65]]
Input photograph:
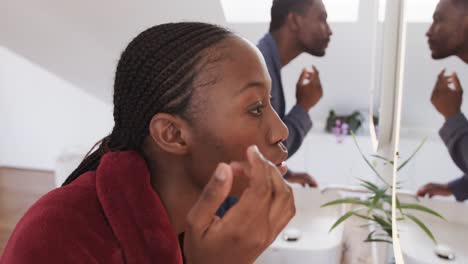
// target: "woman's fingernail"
[[253, 149], [220, 173], [256, 149]]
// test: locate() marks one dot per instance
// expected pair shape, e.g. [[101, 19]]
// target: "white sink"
[[315, 244], [418, 248]]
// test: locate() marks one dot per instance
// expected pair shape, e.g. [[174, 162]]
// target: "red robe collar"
[[134, 210]]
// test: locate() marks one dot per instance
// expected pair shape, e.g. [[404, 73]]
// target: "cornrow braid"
[[155, 74]]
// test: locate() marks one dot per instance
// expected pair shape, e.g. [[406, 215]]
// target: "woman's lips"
[[282, 167]]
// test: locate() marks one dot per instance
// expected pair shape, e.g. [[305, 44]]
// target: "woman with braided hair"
[[193, 124]]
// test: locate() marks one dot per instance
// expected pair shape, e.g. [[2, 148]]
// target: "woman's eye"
[[257, 110]]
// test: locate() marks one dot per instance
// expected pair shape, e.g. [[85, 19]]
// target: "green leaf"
[[341, 219], [388, 213], [398, 205], [422, 226], [346, 201], [370, 235], [367, 161], [420, 208], [382, 158], [386, 226], [412, 155], [363, 217], [369, 185], [375, 235], [366, 225], [375, 200], [387, 198], [378, 240]]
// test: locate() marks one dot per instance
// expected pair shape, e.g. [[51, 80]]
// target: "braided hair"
[[155, 74]]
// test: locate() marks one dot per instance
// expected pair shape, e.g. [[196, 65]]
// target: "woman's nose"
[[279, 131]]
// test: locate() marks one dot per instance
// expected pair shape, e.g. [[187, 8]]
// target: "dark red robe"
[[111, 215]]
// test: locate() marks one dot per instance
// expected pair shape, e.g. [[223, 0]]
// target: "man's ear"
[[292, 21], [170, 133]]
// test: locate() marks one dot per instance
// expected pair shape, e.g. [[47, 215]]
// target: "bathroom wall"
[[85, 51], [76, 45], [42, 116]]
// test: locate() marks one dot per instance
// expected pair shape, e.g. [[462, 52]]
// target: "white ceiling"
[[81, 41]]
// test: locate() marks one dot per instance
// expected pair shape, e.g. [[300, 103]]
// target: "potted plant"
[[376, 207], [343, 125]]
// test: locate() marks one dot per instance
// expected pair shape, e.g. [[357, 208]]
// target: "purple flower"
[[336, 131], [340, 130], [345, 129]]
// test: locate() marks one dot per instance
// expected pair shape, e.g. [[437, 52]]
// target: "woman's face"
[[235, 113]]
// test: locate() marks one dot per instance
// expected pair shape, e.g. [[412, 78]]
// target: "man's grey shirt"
[[454, 133]]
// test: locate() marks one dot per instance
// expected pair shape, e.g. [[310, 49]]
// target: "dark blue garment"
[[227, 204], [454, 133]]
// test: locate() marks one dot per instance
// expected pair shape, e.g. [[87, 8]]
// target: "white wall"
[[340, 163], [42, 115], [81, 42], [345, 72], [420, 76]]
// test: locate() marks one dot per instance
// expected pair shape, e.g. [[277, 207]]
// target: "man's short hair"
[[461, 3], [281, 8]]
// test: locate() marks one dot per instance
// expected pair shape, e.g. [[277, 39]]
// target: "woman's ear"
[[170, 133]]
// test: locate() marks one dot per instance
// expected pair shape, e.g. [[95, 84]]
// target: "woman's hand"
[[264, 209]]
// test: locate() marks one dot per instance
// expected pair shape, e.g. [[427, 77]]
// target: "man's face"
[[313, 32], [447, 35]]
